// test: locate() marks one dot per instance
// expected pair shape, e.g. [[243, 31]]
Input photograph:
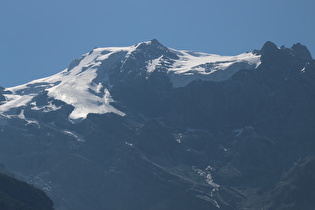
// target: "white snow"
[[74, 135], [13, 100], [29, 121], [179, 138], [212, 195], [74, 87], [210, 168], [207, 176], [129, 144], [79, 87], [153, 64], [47, 108], [209, 180], [193, 65]]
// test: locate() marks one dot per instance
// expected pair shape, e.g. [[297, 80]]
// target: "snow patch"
[[192, 65], [29, 121], [153, 64], [13, 101], [74, 135], [212, 195], [46, 108], [207, 176], [129, 144], [209, 180], [179, 138]]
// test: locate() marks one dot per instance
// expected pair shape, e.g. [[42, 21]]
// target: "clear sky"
[[39, 38]]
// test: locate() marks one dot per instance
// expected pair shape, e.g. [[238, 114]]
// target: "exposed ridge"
[[269, 47], [300, 50]]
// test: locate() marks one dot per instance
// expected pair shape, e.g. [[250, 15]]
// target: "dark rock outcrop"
[[17, 195]]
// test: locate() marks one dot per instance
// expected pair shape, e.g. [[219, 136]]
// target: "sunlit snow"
[[78, 86], [194, 65], [74, 87], [152, 65]]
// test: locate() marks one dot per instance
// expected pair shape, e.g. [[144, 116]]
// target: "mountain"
[[16, 195], [2, 98], [149, 127]]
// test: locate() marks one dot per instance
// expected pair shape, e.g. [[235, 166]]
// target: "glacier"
[[77, 85]]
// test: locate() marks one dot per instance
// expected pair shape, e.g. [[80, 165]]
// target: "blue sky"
[[41, 37]]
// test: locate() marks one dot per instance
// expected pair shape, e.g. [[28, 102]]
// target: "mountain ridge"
[[95, 69], [208, 144]]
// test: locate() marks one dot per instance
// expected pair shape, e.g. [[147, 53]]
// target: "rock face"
[[16, 195], [2, 98], [147, 127], [296, 189]]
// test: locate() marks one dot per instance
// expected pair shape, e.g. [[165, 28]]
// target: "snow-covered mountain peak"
[[153, 42], [74, 86], [78, 89], [196, 65], [86, 83]]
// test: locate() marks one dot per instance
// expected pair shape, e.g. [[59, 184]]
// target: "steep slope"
[[16, 195], [85, 84], [2, 98], [148, 127], [296, 189]]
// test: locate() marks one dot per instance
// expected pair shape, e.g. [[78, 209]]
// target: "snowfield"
[[210, 67], [78, 86]]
